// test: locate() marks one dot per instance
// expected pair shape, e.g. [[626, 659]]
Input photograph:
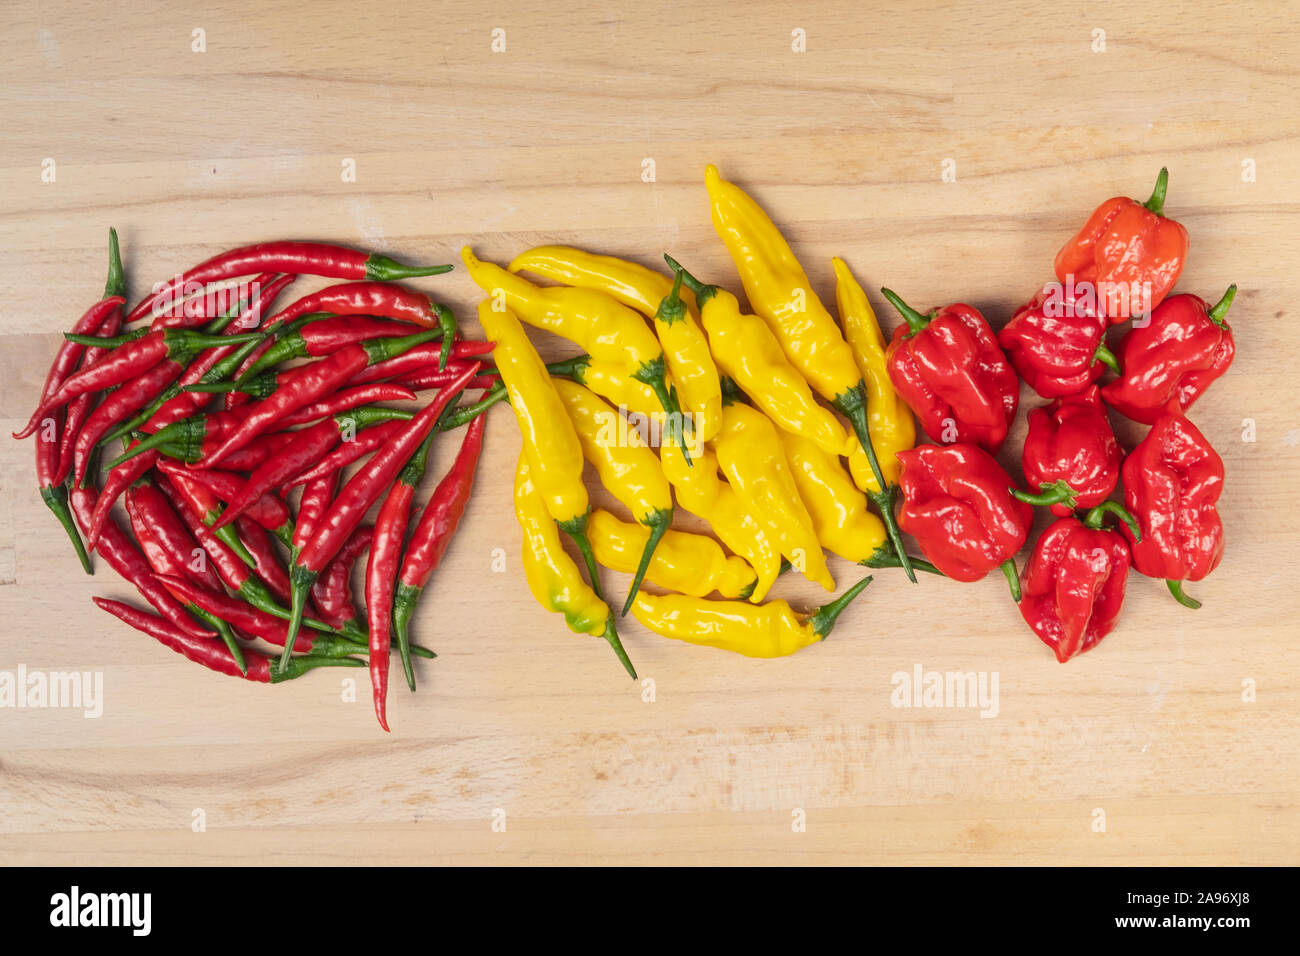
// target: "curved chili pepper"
[[312, 505], [957, 503], [357, 496], [267, 564], [325, 337], [1070, 454], [1129, 252], [949, 369], [348, 398], [1055, 342], [332, 591], [213, 306], [1185, 346], [119, 403], [435, 529], [1172, 482], [55, 495], [690, 362], [215, 656], [190, 439], [80, 408], [631, 283], [268, 510], [193, 498], [432, 378], [298, 258], [365, 441], [253, 455], [422, 360]]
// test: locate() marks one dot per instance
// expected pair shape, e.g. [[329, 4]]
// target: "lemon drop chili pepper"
[[633, 284]]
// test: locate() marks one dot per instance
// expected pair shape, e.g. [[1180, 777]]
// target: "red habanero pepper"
[[315, 501], [422, 359], [1070, 454], [1128, 252], [1185, 346], [957, 503], [1074, 584], [1172, 482], [435, 529], [332, 591], [949, 369], [215, 656], [381, 574], [310, 383], [298, 258], [1055, 343], [358, 495], [304, 451], [365, 441], [347, 398]]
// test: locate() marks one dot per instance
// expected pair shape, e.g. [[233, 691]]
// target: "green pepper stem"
[[1157, 201], [300, 581], [574, 368], [1013, 577], [1093, 519], [464, 414], [885, 557], [1056, 492], [163, 436], [652, 373], [385, 269], [404, 600], [658, 522], [915, 320], [116, 284], [297, 666], [213, 387], [576, 528], [1186, 600], [671, 310], [447, 325], [1107, 358], [611, 635], [823, 619], [703, 293], [382, 349], [1221, 307], [106, 343], [227, 536], [56, 499], [227, 635]]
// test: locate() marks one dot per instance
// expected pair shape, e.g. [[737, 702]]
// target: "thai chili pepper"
[[298, 258], [332, 591], [631, 283], [213, 306], [422, 360], [949, 369], [1074, 584], [889, 420], [752, 457], [550, 441], [191, 439], [426, 378], [1055, 342], [780, 293], [435, 529], [267, 510], [1129, 252], [552, 576], [119, 403], [750, 353], [1186, 346], [604, 327], [690, 362], [80, 408], [373, 299], [193, 498], [266, 560], [626, 465], [356, 497], [1172, 482], [310, 383], [312, 505], [381, 576], [1070, 454], [215, 656], [55, 495], [117, 548], [363, 443], [348, 398], [957, 503], [251, 456], [767, 630], [692, 564], [703, 493], [325, 337]]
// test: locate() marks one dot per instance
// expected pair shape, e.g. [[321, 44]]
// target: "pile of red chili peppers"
[[962, 381], [218, 436]]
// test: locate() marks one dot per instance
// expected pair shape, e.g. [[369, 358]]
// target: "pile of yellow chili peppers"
[[748, 446]]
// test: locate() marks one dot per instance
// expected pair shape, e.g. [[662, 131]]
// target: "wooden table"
[[1174, 742]]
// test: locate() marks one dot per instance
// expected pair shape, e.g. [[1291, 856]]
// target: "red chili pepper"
[[298, 258], [256, 453], [268, 510], [957, 503], [1172, 483], [325, 337], [268, 566], [1055, 343], [304, 451], [80, 408], [435, 529], [1070, 454], [193, 499], [949, 369], [427, 378], [1074, 584], [375, 298], [346, 398], [315, 501], [332, 591], [1128, 252], [422, 359], [358, 495], [366, 441], [55, 495], [1185, 346], [119, 403], [215, 304], [215, 656]]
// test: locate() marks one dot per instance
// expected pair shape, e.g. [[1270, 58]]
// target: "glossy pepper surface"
[[690, 362], [1129, 252], [948, 367], [838, 509], [1172, 482], [1186, 345], [633, 284], [1070, 443], [1055, 343]]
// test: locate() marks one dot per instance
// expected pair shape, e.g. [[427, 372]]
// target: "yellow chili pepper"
[[631, 283], [889, 420], [626, 466], [769, 630], [779, 291], [550, 441], [703, 493], [838, 510], [690, 362], [552, 576], [748, 351], [613, 384], [692, 564], [605, 328], [752, 457]]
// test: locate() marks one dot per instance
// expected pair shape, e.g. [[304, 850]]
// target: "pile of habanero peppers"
[[217, 433]]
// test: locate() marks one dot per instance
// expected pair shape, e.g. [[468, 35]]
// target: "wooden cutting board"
[[945, 150]]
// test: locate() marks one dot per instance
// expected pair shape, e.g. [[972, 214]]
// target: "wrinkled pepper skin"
[[958, 505], [1071, 440], [949, 369], [1172, 482], [1073, 586], [688, 563], [1129, 247], [1186, 346], [1053, 343]]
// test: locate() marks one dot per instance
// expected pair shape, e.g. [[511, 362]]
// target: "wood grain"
[[187, 153]]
